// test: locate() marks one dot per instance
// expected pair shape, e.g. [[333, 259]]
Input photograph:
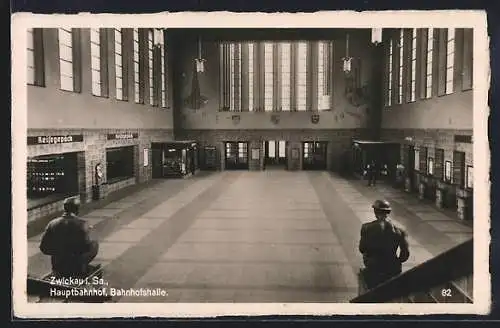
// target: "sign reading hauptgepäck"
[[122, 136]]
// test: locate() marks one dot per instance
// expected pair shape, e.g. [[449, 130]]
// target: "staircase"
[[446, 278]]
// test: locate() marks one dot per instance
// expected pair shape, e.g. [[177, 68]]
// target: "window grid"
[[137, 96], [401, 64], [150, 68], [66, 59], [286, 61], [31, 57], [163, 71], [118, 64], [323, 97], [416, 164], [250, 76], [389, 87], [268, 76], [430, 51], [242, 149], [95, 53], [413, 65], [302, 76], [450, 60], [306, 150]]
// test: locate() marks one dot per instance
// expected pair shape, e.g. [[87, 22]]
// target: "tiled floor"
[[272, 236]]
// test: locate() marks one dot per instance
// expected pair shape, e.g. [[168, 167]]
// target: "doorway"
[[314, 155], [275, 154], [236, 155]]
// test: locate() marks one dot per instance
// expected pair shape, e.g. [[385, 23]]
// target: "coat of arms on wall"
[[314, 118], [275, 119], [236, 119]]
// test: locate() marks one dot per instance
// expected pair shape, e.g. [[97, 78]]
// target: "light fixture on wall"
[[376, 36], [199, 62], [347, 59]]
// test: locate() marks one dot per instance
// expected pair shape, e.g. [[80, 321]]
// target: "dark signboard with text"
[[54, 140], [123, 136]]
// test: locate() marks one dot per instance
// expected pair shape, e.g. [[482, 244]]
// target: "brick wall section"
[[338, 142], [92, 151]]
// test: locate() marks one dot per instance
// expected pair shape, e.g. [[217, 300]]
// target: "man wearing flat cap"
[[379, 244], [67, 240]]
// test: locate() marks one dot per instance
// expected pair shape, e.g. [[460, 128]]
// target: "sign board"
[[122, 136], [255, 153], [54, 140]]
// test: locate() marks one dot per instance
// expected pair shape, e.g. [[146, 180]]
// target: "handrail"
[[448, 266]]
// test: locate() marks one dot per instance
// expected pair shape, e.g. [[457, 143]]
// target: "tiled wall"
[[92, 151]]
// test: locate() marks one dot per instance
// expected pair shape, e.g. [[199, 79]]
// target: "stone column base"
[[439, 198], [421, 191], [407, 184]]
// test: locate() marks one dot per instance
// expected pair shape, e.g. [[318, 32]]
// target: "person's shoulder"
[[398, 227], [55, 221], [368, 225]]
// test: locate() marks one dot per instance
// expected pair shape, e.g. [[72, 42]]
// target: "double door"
[[314, 155], [275, 153], [236, 155]]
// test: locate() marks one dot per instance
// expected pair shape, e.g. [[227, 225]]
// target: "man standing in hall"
[[67, 240], [379, 244]]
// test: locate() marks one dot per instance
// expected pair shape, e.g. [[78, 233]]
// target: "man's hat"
[[382, 205]]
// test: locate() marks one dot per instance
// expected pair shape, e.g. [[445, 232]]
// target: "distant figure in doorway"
[[379, 244], [371, 173], [67, 240]]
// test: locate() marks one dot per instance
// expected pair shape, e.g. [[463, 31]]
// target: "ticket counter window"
[[119, 163], [51, 178]]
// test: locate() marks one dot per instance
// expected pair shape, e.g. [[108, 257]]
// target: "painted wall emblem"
[[275, 119], [315, 118]]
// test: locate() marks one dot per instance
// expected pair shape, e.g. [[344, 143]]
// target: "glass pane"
[[96, 63], [96, 76], [67, 83], [271, 149], [30, 39], [65, 52], [118, 60], [96, 89], [119, 82], [66, 68], [65, 37], [119, 94], [31, 58], [282, 149]]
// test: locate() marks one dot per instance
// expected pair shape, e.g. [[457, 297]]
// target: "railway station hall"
[[239, 165]]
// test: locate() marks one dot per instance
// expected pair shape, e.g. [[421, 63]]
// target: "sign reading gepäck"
[[122, 136], [52, 140]]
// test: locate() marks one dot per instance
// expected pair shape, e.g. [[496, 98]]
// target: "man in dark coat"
[[67, 240], [379, 244], [371, 173]]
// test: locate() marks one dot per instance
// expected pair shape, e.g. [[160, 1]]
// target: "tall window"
[[235, 62], [302, 76], [413, 64], [323, 92], [150, 68], [66, 59], [268, 76], [450, 60], [118, 64], [95, 53], [137, 95], [390, 74], [286, 61], [31, 57], [430, 52], [401, 64], [250, 75], [163, 71]]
